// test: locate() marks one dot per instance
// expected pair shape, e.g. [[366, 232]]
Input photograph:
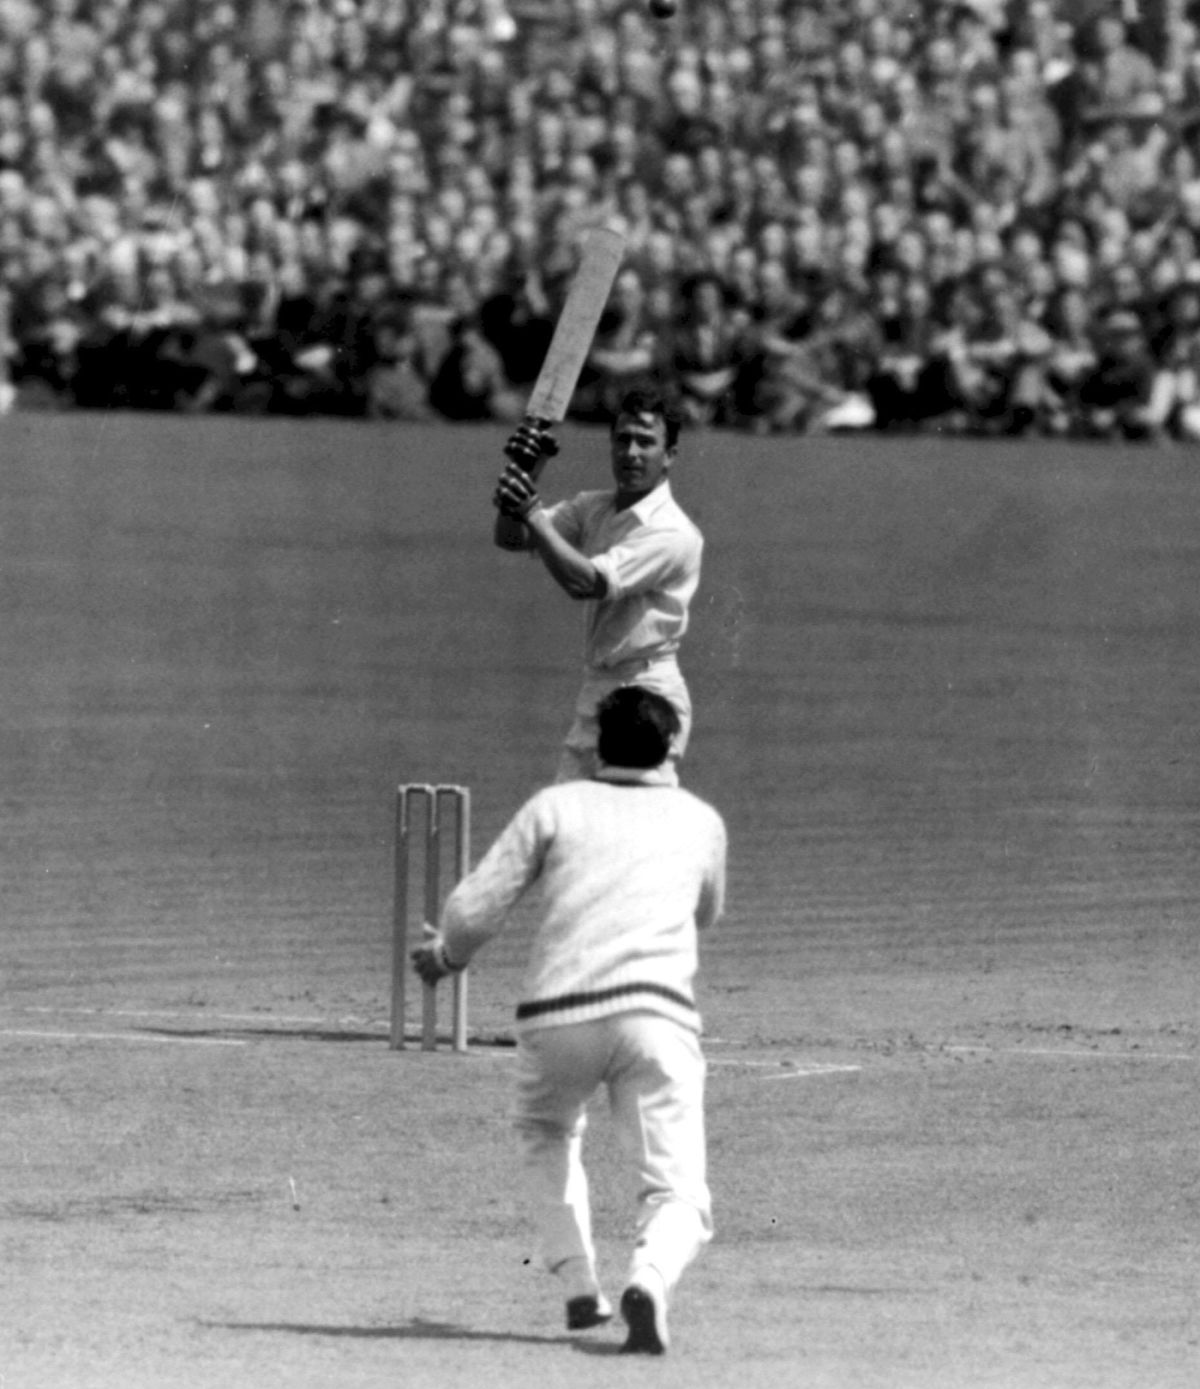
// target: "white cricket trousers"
[[577, 760], [654, 1072]]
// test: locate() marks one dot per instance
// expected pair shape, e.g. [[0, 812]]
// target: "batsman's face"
[[640, 456]]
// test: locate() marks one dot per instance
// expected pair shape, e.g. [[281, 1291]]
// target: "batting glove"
[[530, 444], [515, 493], [430, 960]]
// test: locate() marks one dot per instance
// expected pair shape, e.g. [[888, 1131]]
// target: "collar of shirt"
[[635, 776], [646, 506]]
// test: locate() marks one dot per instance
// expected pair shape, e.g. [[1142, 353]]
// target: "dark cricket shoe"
[[591, 1309], [646, 1317]]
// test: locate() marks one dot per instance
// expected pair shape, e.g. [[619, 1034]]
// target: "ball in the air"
[[663, 9]]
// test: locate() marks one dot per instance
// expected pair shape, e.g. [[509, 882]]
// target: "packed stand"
[[890, 214]]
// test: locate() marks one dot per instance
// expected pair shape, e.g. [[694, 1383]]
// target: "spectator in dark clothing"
[[1070, 360], [518, 321], [1174, 409], [1115, 399], [50, 329], [777, 385], [300, 363], [1007, 351], [395, 387], [470, 384], [907, 386], [959, 389], [705, 350]]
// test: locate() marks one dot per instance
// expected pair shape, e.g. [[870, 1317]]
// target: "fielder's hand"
[[430, 960], [530, 444], [515, 493]]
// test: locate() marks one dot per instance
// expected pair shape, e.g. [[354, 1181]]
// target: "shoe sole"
[[585, 1312], [641, 1317]]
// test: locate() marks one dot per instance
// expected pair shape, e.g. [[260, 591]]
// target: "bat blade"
[[550, 399]]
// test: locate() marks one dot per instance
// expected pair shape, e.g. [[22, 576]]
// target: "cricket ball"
[[663, 9]]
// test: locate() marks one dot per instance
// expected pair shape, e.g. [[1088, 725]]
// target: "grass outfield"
[[947, 698]]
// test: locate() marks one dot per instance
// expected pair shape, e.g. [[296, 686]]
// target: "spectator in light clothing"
[[1115, 71], [621, 870]]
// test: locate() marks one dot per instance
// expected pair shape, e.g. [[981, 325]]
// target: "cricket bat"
[[550, 398]]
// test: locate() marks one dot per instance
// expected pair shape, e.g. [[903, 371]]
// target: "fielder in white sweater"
[[618, 872]]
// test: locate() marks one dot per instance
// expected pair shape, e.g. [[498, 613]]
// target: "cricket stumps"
[[433, 832]]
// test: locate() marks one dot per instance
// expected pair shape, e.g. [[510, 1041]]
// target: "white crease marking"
[[120, 1037]]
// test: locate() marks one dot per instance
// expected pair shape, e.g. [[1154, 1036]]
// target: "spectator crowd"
[[962, 215]]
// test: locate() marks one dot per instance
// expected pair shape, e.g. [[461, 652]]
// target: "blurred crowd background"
[[977, 215]]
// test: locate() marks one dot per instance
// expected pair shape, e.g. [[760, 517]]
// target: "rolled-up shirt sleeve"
[[652, 558]]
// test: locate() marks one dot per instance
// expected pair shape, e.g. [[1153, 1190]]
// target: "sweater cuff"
[[447, 963]]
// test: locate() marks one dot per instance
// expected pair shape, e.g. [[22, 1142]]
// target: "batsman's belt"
[[631, 672]]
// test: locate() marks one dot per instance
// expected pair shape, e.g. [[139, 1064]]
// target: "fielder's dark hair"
[[636, 727], [648, 400]]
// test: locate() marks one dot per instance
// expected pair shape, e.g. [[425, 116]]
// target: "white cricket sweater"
[[618, 873]]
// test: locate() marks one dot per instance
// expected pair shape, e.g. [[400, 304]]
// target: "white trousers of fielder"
[[653, 1070]]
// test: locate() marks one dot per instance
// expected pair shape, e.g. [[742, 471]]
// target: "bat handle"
[[509, 533]]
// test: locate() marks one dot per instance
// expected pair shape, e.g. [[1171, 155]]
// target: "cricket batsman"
[[631, 554], [620, 871]]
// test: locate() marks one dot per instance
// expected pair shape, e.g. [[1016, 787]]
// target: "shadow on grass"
[[418, 1330]]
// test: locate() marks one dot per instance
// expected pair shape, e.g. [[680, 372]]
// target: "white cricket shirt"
[[649, 555]]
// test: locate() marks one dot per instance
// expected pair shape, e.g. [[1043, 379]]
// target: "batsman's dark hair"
[[649, 400], [636, 727]]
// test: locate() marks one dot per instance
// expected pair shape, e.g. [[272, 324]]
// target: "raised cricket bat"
[[550, 398]]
